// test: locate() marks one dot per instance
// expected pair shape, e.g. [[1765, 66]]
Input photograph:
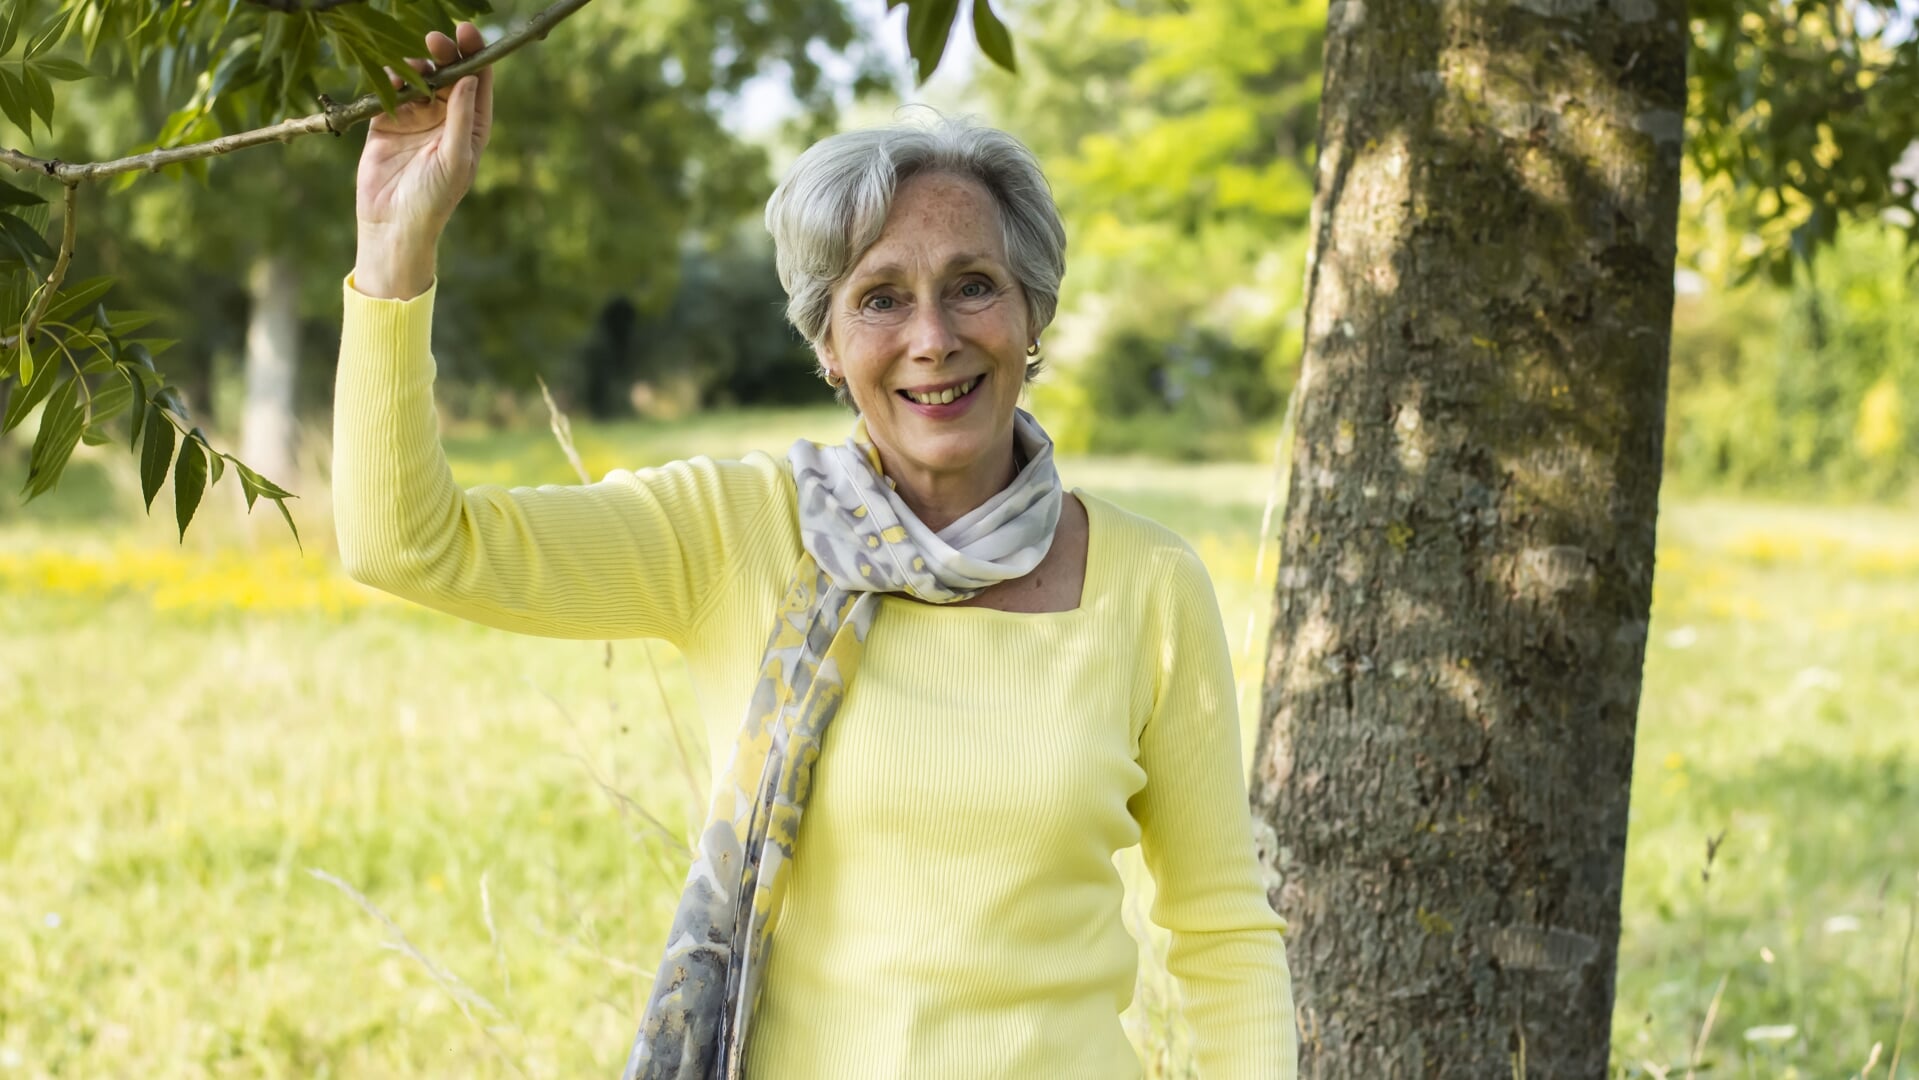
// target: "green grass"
[[189, 730]]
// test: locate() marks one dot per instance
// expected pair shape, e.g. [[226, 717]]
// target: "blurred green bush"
[[1811, 389]]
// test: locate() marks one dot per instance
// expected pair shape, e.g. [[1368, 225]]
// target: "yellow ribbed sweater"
[[954, 910]]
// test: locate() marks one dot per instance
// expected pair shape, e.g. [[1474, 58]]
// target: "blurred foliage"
[[1806, 107], [720, 340], [1806, 388], [727, 324], [1178, 139]]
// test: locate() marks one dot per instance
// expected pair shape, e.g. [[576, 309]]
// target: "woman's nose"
[[931, 334]]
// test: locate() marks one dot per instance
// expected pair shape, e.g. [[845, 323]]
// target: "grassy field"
[[256, 820]]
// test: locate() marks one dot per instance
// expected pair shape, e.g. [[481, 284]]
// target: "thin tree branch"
[[59, 275], [336, 118]]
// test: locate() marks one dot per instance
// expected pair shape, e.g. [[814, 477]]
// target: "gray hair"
[[833, 204]]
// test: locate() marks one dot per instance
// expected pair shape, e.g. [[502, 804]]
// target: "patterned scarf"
[[860, 540]]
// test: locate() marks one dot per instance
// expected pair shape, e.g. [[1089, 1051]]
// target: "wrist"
[[389, 267]]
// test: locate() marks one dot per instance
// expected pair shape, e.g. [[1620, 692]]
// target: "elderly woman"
[[939, 690]]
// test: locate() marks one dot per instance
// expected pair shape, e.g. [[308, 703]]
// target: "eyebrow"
[[892, 269]]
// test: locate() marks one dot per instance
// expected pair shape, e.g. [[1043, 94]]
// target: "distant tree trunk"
[[1443, 771], [268, 430]]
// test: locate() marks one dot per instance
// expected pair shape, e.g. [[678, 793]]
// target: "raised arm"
[[638, 554], [1227, 952]]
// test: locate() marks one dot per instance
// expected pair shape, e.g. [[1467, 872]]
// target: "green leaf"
[[26, 236], [103, 345], [155, 345], [253, 485], [189, 482], [11, 21], [11, 235], [273, 40], [262, 485], [31, 392], [112, 399], [126, 322], [39, 94], [168, 398], [13, 101], [249, 481], [26, 360], [136, 354], [13, 196], [176, 126], [387, 40], [90, 29], [156, 452], [60, 428], [141, 407], [239, 63], [928, 24], [55, 32], [218, 461], [346, 39], [64, 70], [282, 504], [991, 34], [76, 296]]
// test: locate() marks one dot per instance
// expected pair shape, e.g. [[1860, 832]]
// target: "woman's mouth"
[[946, 404]]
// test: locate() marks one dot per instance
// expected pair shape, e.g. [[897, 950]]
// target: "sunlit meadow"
[[257, 820]]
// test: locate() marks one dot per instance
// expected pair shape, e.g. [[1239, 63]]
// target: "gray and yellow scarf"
[[860, 540]]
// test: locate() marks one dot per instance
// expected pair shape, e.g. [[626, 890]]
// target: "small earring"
[[833, 380], [1033, 349]]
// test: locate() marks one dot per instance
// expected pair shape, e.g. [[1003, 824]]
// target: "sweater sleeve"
[[639, 554], [1227, 952]]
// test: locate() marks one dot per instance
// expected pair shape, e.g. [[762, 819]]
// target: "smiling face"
[[931, 306]]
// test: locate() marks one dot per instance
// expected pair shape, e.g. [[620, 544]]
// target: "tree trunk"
[[268, 431], [1467, 560]]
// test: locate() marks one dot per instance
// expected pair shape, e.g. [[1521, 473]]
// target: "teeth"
[[944, 396]]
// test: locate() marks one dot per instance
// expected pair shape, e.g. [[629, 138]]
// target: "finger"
[[456, 138], [468, 37], [414, 62], [443, 49], [483, 109]]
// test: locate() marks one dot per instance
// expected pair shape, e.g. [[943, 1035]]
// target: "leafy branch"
[[159, 419], [335, 119]]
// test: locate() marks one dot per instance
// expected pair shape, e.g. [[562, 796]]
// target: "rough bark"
[[268, 429], [1442, 776]]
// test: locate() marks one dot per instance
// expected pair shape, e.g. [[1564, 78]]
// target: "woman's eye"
[[880, 303], [974, 290]]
